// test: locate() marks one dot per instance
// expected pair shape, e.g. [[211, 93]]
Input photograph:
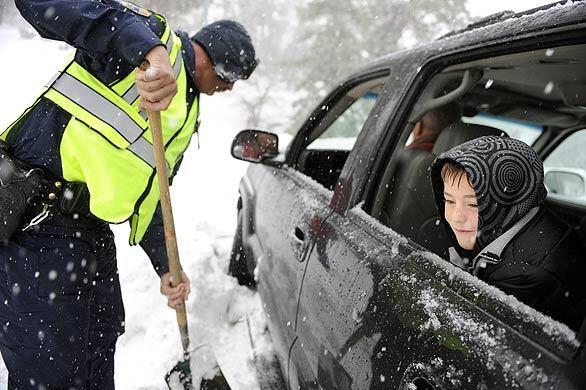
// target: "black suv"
[[341, 235]]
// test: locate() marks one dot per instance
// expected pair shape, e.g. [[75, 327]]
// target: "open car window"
[[329, 143], [534, 96], [343, 131], [525, 131]]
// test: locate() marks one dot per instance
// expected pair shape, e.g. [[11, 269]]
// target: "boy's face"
[[461, 209]]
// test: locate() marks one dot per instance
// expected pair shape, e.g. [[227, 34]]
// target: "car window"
[[565, 170], [328, 144], [525, 131], [342, 133]]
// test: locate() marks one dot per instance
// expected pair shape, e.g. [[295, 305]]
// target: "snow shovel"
[[180, 376]]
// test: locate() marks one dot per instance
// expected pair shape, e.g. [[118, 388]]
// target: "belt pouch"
[[75, 199]]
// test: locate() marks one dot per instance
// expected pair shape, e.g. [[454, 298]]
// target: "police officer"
[[60, 304]]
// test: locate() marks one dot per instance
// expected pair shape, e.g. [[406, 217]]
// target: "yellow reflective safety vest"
[[107, 143]]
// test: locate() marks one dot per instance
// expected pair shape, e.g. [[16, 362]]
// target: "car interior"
[[537, 96]]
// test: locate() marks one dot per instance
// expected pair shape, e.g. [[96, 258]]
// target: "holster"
[[28, 195], [20, 186]]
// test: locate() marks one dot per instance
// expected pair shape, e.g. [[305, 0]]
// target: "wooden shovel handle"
[[168, 221]]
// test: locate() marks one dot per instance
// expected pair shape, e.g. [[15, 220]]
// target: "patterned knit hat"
[[507, 176]]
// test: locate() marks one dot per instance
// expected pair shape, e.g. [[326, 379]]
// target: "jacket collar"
[[188, 54], [492, 253]]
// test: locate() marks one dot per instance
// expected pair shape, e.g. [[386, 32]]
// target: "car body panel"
[[280, 253]]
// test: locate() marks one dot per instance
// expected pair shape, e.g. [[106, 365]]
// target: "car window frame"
[[326, 125], [299, 142]]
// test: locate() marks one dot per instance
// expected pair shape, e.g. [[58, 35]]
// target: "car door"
[[285, 205], [339, 315], [377, 311], [338, 324], [291, 203]]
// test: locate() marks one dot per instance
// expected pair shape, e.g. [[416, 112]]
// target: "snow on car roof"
[[517, 25]]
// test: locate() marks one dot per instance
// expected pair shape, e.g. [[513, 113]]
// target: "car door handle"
[[299, 235], [300, 244]]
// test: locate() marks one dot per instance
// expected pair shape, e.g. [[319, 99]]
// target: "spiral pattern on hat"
[[491, 221], [507, 177], [513, 178], [485, 145], [477, 168]]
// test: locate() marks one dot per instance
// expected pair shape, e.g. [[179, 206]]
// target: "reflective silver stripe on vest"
[[132, 94], [99, 106], [177, 65], [143, 149], [102, 108]]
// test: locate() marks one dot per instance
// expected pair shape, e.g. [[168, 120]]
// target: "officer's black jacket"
[[111, 41]]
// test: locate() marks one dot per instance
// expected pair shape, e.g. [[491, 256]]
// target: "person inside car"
[[427, 129], [489, 193]]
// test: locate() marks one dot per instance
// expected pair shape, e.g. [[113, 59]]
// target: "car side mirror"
[[565, 182], [255, 145]]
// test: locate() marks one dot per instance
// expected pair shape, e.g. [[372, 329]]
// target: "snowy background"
[[204, 200]]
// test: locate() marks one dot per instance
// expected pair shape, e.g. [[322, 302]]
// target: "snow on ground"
[[204, 198]]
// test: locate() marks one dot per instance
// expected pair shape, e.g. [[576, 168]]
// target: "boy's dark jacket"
[[544, 264]]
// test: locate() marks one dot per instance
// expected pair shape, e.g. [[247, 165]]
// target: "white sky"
[[484, 8]]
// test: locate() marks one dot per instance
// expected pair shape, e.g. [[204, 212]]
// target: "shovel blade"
[[179, 378], [218, 382], [207, 375]]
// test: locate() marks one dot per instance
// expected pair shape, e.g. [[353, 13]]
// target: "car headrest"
[[459, 132]]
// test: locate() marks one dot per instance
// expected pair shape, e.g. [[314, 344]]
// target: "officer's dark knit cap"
[[230, 48]]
